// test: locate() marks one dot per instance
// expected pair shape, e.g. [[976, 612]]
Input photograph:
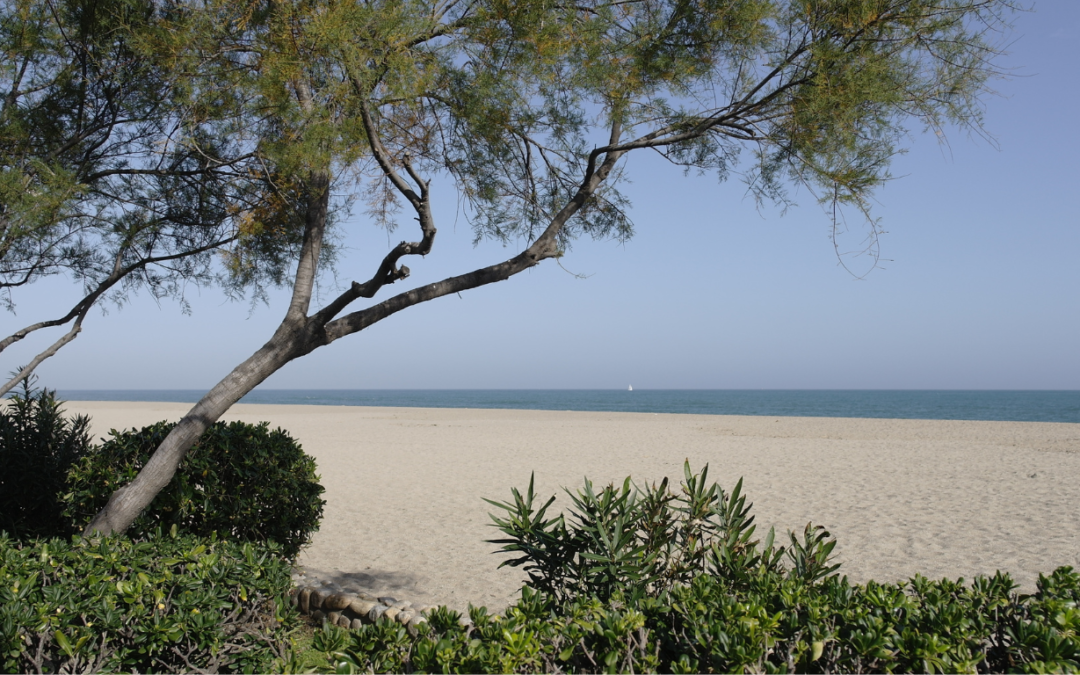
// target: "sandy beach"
[[404, 486]]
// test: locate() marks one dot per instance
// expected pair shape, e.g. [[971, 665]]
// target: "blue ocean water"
[[1017, 406]]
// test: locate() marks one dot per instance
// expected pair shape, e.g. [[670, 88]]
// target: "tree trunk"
[[128, 502], [295, 337]]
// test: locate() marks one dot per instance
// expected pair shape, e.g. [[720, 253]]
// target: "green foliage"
[[302, 657], [104, 168], [38, 445], [168, 604], [777, 623], [642, 541], [243, 481], [650, 581], [137, 138], [513, 98]]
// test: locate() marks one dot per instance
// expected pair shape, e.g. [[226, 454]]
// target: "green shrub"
[[648, 580], [240, 480], [167, 604], [643, 541], [37, 447], [778, 623]]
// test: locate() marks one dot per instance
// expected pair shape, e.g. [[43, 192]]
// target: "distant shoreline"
[[971, 405]]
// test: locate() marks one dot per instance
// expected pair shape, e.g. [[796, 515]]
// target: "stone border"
[[353, 610]]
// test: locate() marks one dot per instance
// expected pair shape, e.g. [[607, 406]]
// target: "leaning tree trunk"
[[295, 337], [128, 502]]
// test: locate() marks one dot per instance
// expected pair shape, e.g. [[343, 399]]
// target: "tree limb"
[[117, 275], [388, 271], [76, 328], [544, 247]]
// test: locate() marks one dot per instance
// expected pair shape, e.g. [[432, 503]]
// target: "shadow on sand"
[[403, 585]]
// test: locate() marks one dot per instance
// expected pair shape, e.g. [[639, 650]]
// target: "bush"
[[779, 623], [643, 541], [37, 447], [167, 604], [649, 580], [240, 480]]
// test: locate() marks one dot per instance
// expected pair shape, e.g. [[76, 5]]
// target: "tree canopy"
[[532, 109], [109, 172]]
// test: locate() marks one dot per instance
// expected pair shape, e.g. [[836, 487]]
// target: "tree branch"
[[318, 198], [544, 247], [382, 157], [117, 274], [388, 271], [76, 328]]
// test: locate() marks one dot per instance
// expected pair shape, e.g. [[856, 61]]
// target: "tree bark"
[[128, 502]]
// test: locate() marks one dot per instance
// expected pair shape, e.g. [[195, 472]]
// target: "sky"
[[979, 287]]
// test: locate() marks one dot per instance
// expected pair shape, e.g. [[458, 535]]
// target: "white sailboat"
[[630, 388]]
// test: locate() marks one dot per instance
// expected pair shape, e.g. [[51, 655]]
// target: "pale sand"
[[404, 514]]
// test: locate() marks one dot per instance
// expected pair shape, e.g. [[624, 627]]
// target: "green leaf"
[[62, 640]]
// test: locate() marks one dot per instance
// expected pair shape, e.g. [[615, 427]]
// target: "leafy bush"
[[37, 447], [167, 604], [778, 623], [240, 480], [643, 541], [633, 580]]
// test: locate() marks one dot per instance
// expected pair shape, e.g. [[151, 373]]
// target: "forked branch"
[[389, 270], [545, 246], [29, 368]]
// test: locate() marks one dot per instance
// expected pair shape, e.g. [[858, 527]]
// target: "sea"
[[1012, 406]]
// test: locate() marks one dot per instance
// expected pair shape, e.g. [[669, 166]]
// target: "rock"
[[361, 607], [336, 602], [417, 620], [366, 596], [375, 612], [305, 600], [391, 612], [405, 616], [344, 621], [318, 615], [356, 624], [333, 617], [387, 600], [402, 604], [316, 599]]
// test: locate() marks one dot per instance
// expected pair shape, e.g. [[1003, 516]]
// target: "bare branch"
[[380, 152], [117, 275]]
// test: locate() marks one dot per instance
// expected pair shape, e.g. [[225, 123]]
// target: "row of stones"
[[352, 611]]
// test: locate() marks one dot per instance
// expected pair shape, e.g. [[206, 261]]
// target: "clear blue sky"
[[981, 290]]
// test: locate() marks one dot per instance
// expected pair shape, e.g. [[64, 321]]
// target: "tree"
[[107, 173], [532, 109]]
